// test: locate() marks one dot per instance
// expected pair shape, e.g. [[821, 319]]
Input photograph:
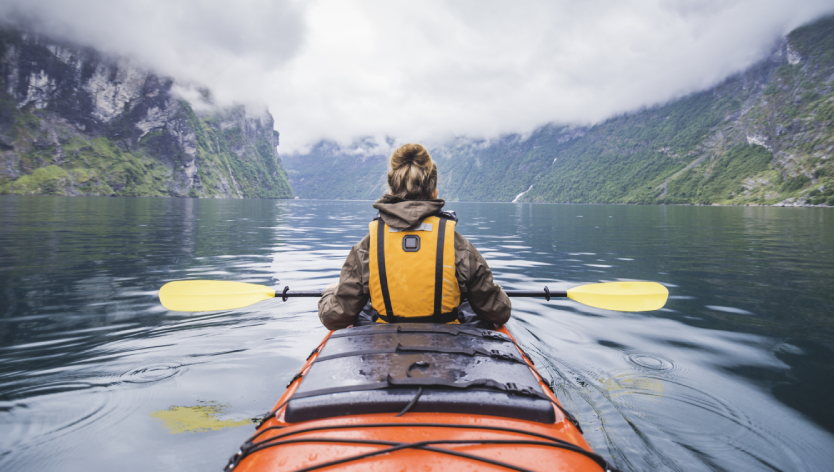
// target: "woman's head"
[[412, 174]]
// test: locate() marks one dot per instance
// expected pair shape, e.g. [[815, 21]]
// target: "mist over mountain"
[[763, 136], [435, 70], [681, 102], [74, 121]]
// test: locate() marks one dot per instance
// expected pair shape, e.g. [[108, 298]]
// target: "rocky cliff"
[[764, 136], [76, 122]]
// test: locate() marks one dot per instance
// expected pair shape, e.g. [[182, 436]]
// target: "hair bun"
[[413, 174], [411, 154]]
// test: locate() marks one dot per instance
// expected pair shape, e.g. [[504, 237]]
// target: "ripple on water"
[[666, 404], [651, 361], [729, 309], [153, 372], [714, 426], [47, 419], [85, 400]]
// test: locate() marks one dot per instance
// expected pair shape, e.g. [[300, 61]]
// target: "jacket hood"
[[399, 213]]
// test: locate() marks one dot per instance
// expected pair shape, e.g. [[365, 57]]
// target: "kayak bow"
[[403, 396]]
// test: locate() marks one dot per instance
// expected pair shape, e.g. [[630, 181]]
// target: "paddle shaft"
[[212, 295], [546, 293], [536, 293]]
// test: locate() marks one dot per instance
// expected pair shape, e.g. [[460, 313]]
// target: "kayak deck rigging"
[[378, 369], [389, 395]]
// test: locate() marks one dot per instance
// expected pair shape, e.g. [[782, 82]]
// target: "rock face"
[[764, 136], [74, 122]]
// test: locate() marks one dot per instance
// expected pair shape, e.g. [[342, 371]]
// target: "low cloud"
[[431, 70], [229, 47]]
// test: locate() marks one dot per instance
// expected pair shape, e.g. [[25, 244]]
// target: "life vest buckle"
[[411, 243]]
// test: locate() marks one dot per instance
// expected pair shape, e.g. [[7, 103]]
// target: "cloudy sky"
[[432, 69]]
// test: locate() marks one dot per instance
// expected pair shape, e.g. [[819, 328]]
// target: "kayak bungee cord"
[[424, 445], [502, 429], [411, 403]]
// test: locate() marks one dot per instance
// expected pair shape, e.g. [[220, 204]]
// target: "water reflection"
[[733, 374]]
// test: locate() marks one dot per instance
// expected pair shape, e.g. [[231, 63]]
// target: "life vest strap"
[[383, 276], [438, 269]]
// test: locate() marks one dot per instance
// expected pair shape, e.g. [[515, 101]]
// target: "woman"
[[413, 266]]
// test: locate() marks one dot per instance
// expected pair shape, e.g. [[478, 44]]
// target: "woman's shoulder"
[[461, 243], [449, 215]]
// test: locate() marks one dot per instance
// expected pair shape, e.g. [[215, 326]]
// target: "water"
[[734, 374]]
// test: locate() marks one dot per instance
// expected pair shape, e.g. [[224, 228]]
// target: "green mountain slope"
[[764, 136], [75, 123], [330, 171]]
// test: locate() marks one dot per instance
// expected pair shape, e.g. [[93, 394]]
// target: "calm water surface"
[[734, 374]]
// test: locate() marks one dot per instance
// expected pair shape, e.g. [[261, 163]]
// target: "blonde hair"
[[412, 174]]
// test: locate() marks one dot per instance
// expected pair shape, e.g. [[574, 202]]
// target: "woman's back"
[[413, 266]]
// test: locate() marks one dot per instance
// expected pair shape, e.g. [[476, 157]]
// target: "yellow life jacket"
[[412, 272]]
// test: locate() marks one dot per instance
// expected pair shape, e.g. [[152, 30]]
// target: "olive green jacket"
[[341, 303]]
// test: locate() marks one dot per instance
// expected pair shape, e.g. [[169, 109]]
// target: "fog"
[[429, 70]]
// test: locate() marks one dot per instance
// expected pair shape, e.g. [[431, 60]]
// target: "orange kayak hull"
[[416, 440]]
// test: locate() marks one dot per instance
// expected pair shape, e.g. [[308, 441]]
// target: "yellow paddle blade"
[[622, 296], [211, 295]]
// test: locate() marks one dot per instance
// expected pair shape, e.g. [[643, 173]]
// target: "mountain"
[[331, 171], [76, 122], [764, 136]]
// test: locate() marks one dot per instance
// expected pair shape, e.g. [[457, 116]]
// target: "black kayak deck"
[[455, 369]]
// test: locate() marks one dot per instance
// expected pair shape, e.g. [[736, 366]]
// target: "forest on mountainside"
[[764, 136]]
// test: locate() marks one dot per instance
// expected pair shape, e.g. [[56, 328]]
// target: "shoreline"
[[776, 205]]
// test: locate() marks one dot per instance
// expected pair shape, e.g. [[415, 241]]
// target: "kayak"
[[411, 396], [404, 396]]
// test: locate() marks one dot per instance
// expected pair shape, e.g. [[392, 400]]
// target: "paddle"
[[212, 295]]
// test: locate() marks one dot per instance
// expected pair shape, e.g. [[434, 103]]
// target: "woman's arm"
[[341, 303], [486, 297]]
